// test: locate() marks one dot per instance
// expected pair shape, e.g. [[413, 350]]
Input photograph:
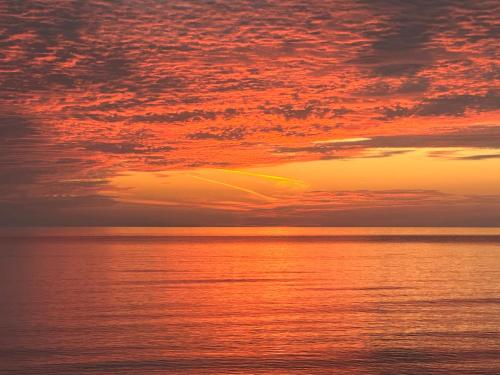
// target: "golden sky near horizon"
[[366, 112]]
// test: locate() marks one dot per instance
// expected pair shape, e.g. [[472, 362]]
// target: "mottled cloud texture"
[[90, 89]]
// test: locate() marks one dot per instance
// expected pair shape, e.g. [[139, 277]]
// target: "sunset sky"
[[256, 112]]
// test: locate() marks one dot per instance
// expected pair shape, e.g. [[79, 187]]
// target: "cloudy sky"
[[255, 112]]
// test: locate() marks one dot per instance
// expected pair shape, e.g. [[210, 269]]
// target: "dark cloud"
[[407, 39], [452, 105], [475, 137], [125, 148], [480, 157], [16, 127], [228, 134], [398, 69], [397, 111], [315, 149], [288, 111], [39, 172], [13, 178], [53, 210], [254, 84], [380, 88], [241, 132], [183, 116], [479, 136], [384, 207], [20, 140], [456, 105], [454, 155], [175, 117], [415, 85]]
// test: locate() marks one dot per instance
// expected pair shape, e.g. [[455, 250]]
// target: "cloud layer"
[[90, 89]]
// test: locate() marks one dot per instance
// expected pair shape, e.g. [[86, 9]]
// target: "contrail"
[[266, 176], [236, 187]]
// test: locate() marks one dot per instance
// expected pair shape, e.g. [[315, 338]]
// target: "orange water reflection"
[[239, 306]]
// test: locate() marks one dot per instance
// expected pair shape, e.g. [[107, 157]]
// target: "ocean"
[[250, 301]]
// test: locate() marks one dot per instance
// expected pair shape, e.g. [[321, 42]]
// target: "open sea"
[[250, 301]]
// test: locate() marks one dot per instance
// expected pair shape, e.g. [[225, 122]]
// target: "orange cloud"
[[92, 90]]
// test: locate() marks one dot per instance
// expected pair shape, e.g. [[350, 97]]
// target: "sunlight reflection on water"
[[276, 305]]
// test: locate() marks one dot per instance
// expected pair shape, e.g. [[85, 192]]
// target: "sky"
[[250, 112]]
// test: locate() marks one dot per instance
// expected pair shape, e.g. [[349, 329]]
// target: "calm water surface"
[[250, 301]]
